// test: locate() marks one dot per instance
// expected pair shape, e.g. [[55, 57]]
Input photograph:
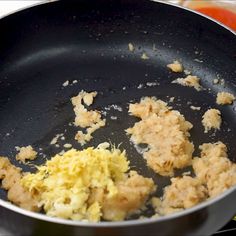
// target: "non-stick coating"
[[43, 47]]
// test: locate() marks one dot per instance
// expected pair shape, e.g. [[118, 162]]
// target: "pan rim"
[[198, 207], [155, 1], [135, 222], [197, 13], [26, 7]]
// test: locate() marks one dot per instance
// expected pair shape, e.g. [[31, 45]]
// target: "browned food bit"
[[214, 169], [189, 81], [211, 119], [144, 56], [11, 181], [183, 192], [25, 153], [224, 98], [132, 195], [131, 47], [194, 108], [91, 120], [166, 133], [176, 66]]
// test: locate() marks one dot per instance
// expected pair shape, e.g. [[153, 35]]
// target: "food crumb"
[[61, 152], [91, 120], [198, 60], [154, 47], [115, 107], [224, 98], [186, 173], [67, 145], [189, 81], [83, 138], [187, 72], [66, 83], [216, 81], [171, 99], [25, 153], [140, 86], [55, 139], [152, 84], [222, 82], [211, 120], [144, 56], [75, 81], [195, 108], [131, 47], [113, 117], [176, 66]]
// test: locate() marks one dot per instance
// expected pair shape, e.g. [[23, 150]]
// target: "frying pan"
[[43, 46]]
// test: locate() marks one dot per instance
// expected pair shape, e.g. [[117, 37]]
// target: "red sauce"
[[224, 16]]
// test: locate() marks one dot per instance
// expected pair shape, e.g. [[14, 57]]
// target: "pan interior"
[[91, 46]]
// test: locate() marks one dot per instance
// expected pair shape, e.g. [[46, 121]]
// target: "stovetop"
[[228, 229]]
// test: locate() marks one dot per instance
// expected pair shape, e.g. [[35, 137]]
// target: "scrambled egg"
[[89, 185]]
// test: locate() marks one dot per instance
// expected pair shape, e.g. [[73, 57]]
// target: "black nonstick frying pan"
[[43, 46]]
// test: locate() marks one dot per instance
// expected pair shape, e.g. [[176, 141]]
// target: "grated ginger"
[[89, 185]]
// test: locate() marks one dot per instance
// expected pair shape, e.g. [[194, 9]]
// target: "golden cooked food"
[[165, 131], [214, 169], [176, 66], [11, 177], [211, 119], [25, 153], [224, 98], [131, 195], [189, 81], [91, 120], [131, 47], [89, 185], [183, 192], [144, 56]]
